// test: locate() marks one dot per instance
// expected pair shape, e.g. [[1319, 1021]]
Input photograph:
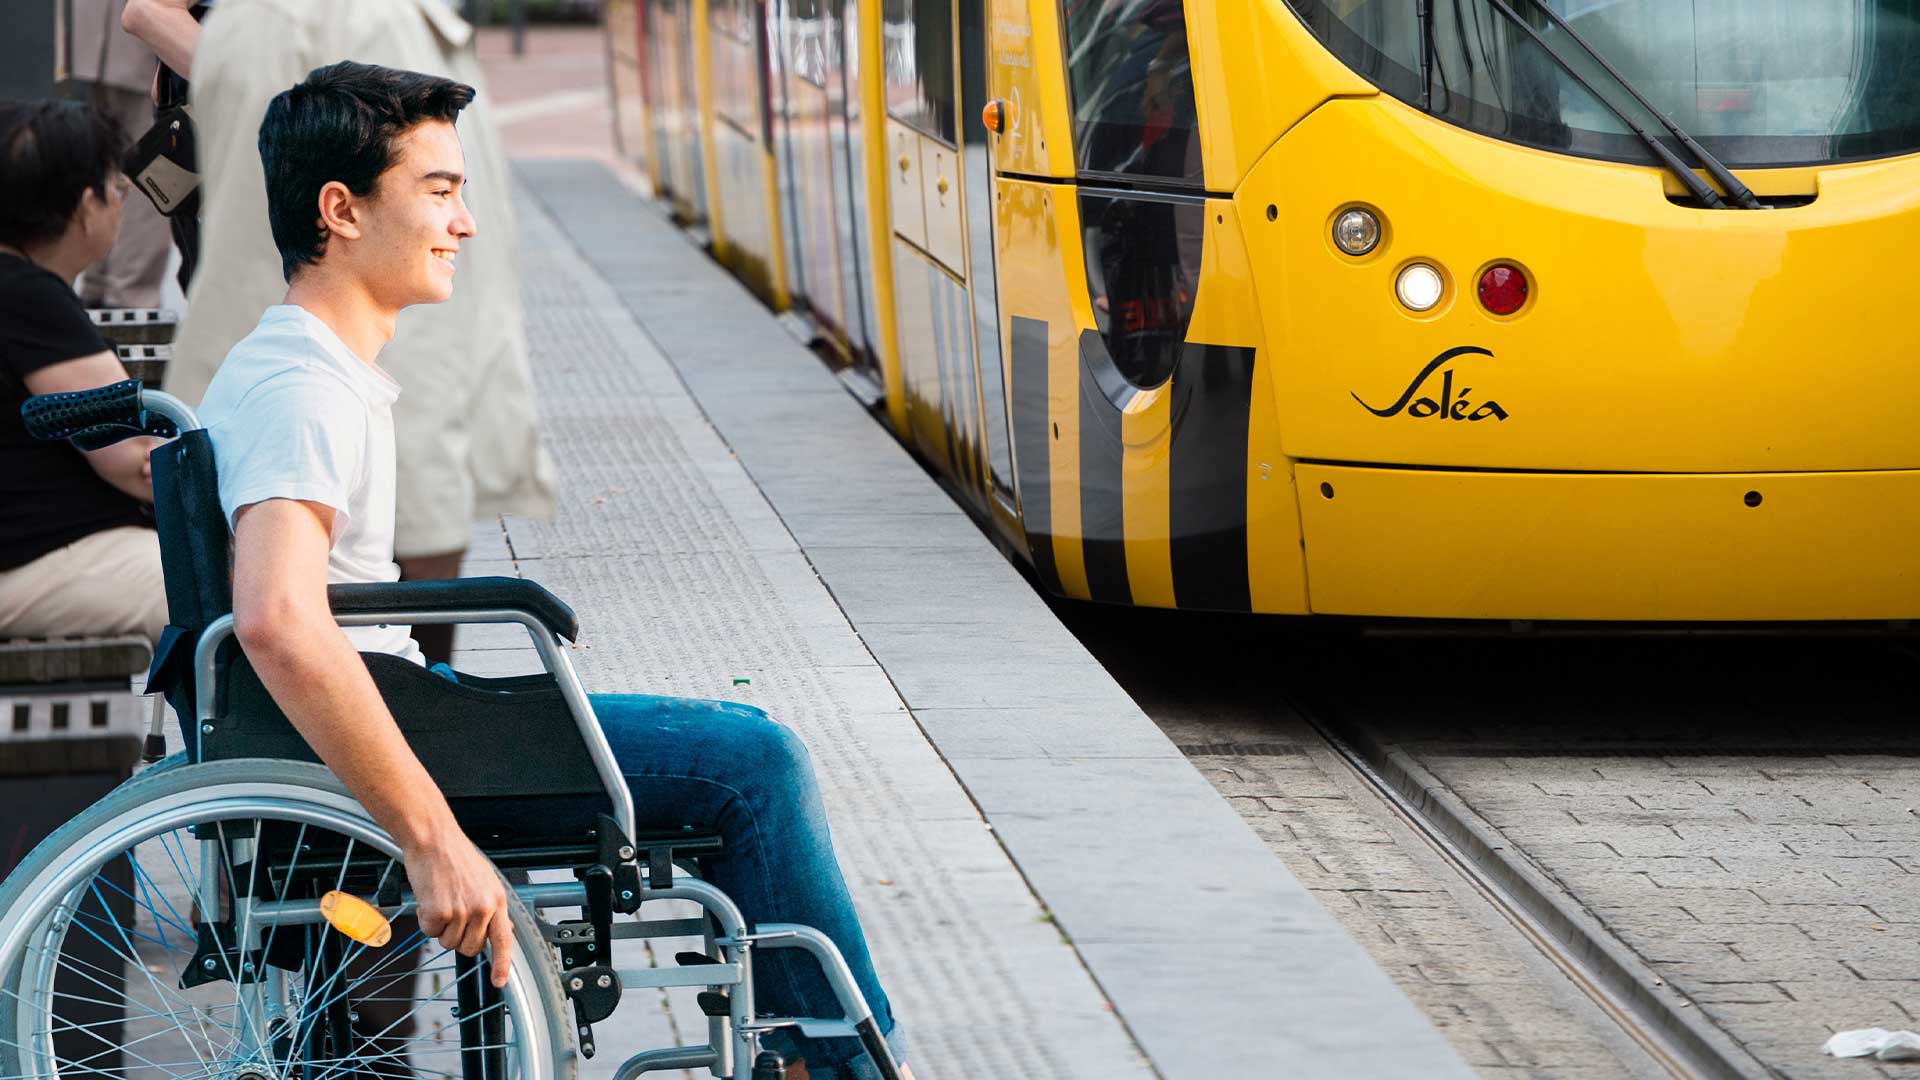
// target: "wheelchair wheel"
[[172, 931]]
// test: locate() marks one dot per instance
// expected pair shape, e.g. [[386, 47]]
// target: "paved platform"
[[1050, 888]]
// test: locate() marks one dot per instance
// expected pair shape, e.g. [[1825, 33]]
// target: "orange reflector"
[[993, 117], [356, 918]]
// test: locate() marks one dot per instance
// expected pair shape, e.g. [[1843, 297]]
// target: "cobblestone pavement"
[[1742, 815], [1504, 1008]]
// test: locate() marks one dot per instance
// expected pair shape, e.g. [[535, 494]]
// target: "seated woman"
[[363, 189], [78, 554]]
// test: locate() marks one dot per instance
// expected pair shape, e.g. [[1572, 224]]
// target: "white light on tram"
[[1419, 287], [1356, 231]]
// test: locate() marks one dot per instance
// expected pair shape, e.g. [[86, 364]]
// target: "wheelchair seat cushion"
[[506, 752]]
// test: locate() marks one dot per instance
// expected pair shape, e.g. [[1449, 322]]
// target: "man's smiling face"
[[417, 219]]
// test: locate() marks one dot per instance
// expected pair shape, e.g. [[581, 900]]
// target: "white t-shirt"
[[294, 414]]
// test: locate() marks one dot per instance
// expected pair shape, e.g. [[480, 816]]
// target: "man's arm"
[[305, 661], [168, 28], [124, 464]]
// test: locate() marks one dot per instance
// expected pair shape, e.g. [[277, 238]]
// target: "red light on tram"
[[1503, 289]]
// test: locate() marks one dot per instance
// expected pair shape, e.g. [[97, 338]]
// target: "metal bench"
[[67, 704], [143, 337]]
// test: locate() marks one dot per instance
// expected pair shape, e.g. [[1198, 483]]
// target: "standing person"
[[117, 70], [78, 554], [468, 448]]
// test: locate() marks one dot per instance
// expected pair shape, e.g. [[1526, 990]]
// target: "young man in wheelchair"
[[364, 174]]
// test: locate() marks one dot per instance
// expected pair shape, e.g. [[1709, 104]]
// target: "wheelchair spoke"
[[454, 1047], [121, 1048], [160, 921], [129, 958], [299, 844], [120, 1003], [299, 1000], [241, 941]]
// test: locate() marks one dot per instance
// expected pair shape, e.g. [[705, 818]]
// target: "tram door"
[[943, 263], [626, 56], [816, 173], [669, 71]]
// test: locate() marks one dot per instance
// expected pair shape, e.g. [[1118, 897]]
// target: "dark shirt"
[[49, 495]]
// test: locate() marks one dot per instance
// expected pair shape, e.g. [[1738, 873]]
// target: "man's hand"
[[461, 900]]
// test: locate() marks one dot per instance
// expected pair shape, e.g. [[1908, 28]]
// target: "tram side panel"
[[743, 187], [671, 105], [934, 299], [847, 149], [626, 51], [810, 61]]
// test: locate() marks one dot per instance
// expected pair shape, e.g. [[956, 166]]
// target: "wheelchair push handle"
[[98, 418]]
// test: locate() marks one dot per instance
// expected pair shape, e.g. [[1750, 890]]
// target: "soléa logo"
[[1419, 402]]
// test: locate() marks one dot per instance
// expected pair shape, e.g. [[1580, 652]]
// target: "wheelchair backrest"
[[196, 557], [196, 551]]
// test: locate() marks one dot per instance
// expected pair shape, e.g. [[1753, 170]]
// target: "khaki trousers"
[[101, 585]]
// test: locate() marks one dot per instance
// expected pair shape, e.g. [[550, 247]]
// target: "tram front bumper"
[[1428, 543]]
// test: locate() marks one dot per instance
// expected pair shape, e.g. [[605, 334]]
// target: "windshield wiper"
[[1426, 55], [1696, 186]]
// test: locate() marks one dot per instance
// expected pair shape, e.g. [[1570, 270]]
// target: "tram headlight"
[[1419, 287], [1356, 231]]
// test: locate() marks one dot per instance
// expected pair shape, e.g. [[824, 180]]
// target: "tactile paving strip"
[[687, 583]]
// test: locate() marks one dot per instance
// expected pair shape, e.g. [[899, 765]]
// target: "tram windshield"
[[1757, 82]]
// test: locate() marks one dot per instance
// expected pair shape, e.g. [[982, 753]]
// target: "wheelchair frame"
[[629, 869]]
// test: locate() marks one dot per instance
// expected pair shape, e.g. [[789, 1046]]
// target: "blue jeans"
[[727, 767]]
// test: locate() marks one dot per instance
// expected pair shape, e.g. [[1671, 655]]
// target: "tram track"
[[1654, 1016], [1591, 860]]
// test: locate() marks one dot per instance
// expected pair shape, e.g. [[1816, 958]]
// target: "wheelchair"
[[181, 926]]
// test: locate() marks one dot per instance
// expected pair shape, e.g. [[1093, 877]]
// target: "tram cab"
[[1580, 310]]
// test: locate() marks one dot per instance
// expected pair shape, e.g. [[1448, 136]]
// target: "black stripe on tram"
[[1103, 526], [1032, 438], [1208, 514]]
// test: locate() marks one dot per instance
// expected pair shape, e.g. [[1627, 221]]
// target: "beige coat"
[[104, 53], [464, 423]]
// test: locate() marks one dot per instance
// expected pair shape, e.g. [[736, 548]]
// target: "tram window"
[[1143, 269], [1757, 82], [1132, 86], [811, 45], [917, 41]]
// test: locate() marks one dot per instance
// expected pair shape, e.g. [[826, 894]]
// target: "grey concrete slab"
[[500, 567], [1214, 956], [1073, 731], [1322, 1009], [863, 529], [1041, 807]]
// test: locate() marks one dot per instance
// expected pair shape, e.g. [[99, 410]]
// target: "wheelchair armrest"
[[456, 594]]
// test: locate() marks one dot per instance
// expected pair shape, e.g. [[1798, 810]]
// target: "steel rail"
[[1665, 1026]]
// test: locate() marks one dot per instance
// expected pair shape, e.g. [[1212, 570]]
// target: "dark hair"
[[51, 152], [342, 123]]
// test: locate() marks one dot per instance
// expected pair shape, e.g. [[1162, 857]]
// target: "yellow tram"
[[1454, 309]]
